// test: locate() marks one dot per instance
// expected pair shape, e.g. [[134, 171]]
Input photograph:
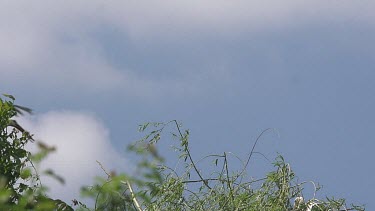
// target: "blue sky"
[[93, 71]]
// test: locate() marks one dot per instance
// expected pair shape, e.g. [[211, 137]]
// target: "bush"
[[160, 187]]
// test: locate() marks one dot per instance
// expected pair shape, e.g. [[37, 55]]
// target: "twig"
[[252, 149], [191, 159], [102, 167]]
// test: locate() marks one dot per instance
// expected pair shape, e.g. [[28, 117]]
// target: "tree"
[[20, 187], [154, 185]]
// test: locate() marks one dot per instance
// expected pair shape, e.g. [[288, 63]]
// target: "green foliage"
[[13, 156], [159, 187], [20, 187], [153, 185]]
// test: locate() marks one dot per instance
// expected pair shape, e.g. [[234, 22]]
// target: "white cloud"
[[80, 139]]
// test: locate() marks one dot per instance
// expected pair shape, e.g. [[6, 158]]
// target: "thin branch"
[[102, 167], [252, 149], [227, 173], [191, 159], [133, 195], [201, 180]]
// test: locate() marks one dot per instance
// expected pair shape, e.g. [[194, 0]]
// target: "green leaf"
[[9, 96], [26, 173]]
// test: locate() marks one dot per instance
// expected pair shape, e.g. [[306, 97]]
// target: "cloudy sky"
[[93, 71]]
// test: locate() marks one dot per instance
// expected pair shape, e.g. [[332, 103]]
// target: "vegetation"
[[154, 185], [20, 186]]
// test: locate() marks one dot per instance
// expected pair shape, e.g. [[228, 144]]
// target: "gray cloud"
[[55, 45]]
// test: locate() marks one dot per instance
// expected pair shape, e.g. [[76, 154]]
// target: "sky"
[[93, 71]]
